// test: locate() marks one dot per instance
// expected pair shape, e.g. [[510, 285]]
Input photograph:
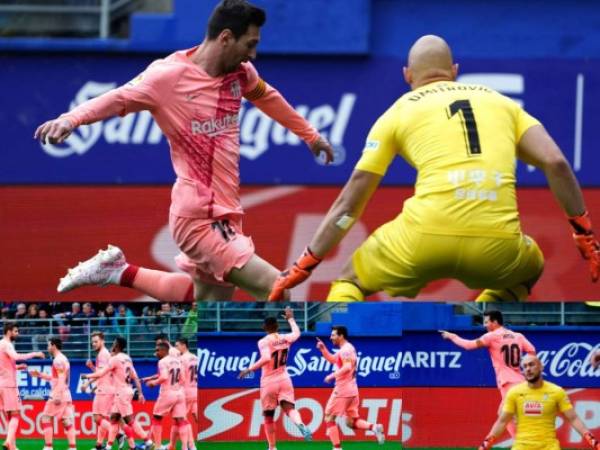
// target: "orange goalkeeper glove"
[[487, 443], [295, 275], [590, 439], [586, 242]]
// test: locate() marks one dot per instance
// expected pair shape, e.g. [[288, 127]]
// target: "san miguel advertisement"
[[221, 358], [342, 98], [45, 230], [462, 417], [236, 414]]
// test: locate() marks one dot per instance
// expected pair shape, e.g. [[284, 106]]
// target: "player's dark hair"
[[9, 326], [57, 342], [183, 341], [100, 334], [161, 337], [270, 324], [341, 330], [495, 316], [163, 345], [234, 15], [121, 343]]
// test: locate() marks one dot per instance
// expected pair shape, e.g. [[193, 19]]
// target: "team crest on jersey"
[[236, 89], [533, 408]]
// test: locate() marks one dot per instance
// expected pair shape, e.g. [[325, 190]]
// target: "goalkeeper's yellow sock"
[[345, 291], [514, 294]]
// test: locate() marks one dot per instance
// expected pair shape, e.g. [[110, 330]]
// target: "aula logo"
[[136, 128]]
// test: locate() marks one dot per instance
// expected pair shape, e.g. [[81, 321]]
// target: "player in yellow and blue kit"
[[535, 404], [462, 222]]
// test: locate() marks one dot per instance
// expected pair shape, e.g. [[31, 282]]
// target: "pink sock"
[[183, 435], [129, 434], [334, 433], [71, 433], [362, 425], [294, 416], [165, 286], [173, 437], [11, 432], [112, 433], [270, 430], [103, 426], [156, 432], [190, 431], [48, 432]]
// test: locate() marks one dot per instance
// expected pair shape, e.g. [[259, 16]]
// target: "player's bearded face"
[[243, 49], [13, 334]]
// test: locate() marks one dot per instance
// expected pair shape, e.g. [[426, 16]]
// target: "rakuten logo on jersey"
[[258, 131], [136, 128], [571, 360], [213, 127]]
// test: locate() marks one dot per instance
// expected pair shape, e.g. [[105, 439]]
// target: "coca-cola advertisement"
[[463, 417], [236, 414], [46, 230]]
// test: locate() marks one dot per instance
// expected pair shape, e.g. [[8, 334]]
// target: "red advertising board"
[[462, 417], [236, 414], [30, 424], [44, 230]]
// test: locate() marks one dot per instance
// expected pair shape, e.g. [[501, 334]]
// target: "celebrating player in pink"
[[189, 378], [60, 403], [195, 97], [120, 367], [171, 400], [103, 392], [344, 400], [506, 348], [10, 402], [275, 382]]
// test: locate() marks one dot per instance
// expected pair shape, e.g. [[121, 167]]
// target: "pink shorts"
[[102, 404], [342, 406], [271, 394], [122, 404], [64, 410], [170, 403], [210, 248], [191, 401], [10, 399]]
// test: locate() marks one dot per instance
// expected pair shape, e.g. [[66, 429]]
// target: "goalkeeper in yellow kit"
[[462, 222], [535, 405]]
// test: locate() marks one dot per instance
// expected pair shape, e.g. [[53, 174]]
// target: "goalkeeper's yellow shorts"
[[401, 260]]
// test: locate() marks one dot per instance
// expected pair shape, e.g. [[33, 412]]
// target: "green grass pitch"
[[61, 444]]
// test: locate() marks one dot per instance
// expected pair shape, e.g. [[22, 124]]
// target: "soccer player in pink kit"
[[189, 378], [10, 401], [104, 391], [344, 400], [120, 367], [275, 382], [195, 97], [171, 398], [506, 348], [60, 403]]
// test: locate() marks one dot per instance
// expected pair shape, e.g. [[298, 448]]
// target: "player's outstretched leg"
[[270, 428], [110, 267], [294, 415], [11, 432]]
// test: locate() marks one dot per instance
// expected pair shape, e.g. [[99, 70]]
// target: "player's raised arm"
[[12, 354], [265, 357], [295, 334], [537, 148], [325, 352], [268, 99], [142, 93], [100, 372], [467, 344], [37, 374], [527, 346]]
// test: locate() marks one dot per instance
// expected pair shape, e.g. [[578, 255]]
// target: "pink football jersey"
[[345, 384], [170, 369], [189, 364], [8, 364], [275, 347], [104, 384], [61, 374], [122, 371], [506, 348]]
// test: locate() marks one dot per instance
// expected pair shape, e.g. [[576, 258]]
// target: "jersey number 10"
[[469, 124]]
